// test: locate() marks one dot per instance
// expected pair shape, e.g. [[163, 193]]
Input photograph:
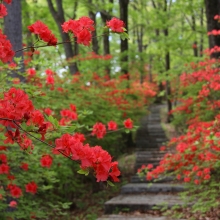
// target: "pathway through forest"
[[138, 198]]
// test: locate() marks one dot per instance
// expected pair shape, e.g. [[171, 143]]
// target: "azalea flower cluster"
[[197, 151], [196, 154], [99, 129], [44, 32], [6, 52], [94, 158], [14, 190], [206, 81], [3, 9], [16, 108]]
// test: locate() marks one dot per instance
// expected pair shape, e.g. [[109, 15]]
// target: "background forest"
[[97, 93]]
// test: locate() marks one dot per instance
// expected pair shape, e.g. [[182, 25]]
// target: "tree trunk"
[[59, 18], [13, 30], [167, 68], [95, 45], [213, 8], [123, 4], [201, 35], [195, 48]]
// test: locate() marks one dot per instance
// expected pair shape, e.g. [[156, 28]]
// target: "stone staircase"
[[139, 195]]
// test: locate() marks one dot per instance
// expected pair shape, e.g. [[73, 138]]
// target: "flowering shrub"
[[195, 160], [46, 118]]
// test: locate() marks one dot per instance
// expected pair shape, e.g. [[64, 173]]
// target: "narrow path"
[[138, 195]]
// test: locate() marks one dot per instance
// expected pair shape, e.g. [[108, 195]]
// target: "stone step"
[[141, 202], [137, 188], [147, 134], [150, 156], [146, 146], [162, 179], [152, 140], [151, 151], [138, 216]]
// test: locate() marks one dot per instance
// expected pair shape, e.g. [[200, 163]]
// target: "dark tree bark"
[[195, 48], [123, 4], [201, 35], [106, 43], [106, 16], [95, 45], [13, 30], [58, 16], [167, 68], [213, 8]]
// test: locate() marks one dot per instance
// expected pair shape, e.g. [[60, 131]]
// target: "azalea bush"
[[195, 160], [55, 118]]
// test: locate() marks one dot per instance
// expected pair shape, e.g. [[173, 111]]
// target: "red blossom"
[[112, 126], [31, 187], [46, 161], [15, 190], [24, 166], [3, 11], [13, 204], [44, 32], [128, 123], [3, 158], [99, 130], [6, 52], [84, 37], [4, 169], [116, 25]]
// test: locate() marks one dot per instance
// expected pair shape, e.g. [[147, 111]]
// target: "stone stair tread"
[[151, 187], [162, 179], [142, 202], [134, 217], [151, 199]]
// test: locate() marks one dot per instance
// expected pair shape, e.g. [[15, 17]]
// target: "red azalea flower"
[[46, 161], [4, 169], [3, 158], [31, 72], [48, 111], [3, 11], [13, 204], [112, 126], [99, 130], [44, 32], [15, 190], [84, 37], [24, 166], [128, 123], [116, 25], [31, 187], [6, 52]]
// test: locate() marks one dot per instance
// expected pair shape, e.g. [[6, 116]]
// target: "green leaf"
[[110, 183], [124, 36], [85, 172]]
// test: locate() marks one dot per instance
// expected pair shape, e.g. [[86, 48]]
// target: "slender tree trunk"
[[195, 48], [167, 68], [59, 18], [95, 46], [13, 30], [123, 4], [213, 8], [106, 43], [201, 35]]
